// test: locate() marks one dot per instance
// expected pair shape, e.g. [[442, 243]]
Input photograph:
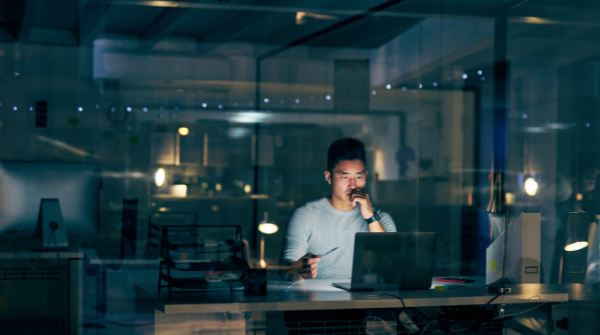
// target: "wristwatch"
[[373, 218]]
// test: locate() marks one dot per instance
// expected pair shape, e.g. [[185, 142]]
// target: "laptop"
[[391, 261]]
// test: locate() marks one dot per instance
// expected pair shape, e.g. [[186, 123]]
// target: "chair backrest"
[[156, 222]]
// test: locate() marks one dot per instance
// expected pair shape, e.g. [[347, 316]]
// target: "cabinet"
[[201, 258]]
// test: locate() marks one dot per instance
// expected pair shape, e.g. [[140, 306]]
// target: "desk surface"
[[319, 294], [23, 250]]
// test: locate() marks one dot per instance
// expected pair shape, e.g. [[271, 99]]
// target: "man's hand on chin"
[[359, 196]]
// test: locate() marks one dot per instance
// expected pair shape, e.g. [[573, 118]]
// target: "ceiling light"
[[162, 3], [159, 177], [388, 86], [531, 187], [183, 131], [533, 20], [301, 17]]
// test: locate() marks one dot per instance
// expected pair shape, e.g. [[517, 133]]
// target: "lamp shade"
[[267, 228], [577, 230], [497, 204]]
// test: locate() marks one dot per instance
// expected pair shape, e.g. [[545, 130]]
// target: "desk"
[[320, 295], [99, 268], [70, 277]]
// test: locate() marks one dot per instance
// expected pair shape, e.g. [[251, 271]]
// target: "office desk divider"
[[201, 258]]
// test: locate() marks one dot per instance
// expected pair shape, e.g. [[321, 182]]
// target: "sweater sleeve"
[[298, 234], [386, 221]]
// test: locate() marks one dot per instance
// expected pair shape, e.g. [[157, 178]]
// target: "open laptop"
[[391, 261]]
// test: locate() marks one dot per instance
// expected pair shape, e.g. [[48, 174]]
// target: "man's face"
[[346, 176]]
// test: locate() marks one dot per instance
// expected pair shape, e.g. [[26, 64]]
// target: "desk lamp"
[[265, 228], [497, 205], [577, 231]]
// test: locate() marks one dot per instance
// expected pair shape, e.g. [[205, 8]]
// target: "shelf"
[[213, 252], [202, 285]]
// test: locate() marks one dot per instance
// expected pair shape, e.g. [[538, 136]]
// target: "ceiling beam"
[[166, 23], [93, 20], [28, 20], [13, 16]]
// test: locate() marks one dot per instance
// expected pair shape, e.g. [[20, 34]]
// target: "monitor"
[[32, 191]]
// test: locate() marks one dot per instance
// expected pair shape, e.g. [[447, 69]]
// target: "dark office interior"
[[144, 116]]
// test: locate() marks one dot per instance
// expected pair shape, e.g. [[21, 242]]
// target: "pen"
[[330, 251]]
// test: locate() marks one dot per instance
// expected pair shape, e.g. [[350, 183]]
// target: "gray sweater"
[[317, 227]]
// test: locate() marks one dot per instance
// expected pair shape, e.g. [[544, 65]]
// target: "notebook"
[[391, 261]]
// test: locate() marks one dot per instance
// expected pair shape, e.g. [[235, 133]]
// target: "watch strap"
[[373, 218]]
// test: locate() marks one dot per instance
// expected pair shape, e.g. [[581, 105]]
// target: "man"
[[332, 222]]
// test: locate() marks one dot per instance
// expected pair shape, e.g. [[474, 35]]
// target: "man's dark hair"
[[345, 149]]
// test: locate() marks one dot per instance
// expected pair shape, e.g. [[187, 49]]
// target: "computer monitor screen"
[[24, 184]]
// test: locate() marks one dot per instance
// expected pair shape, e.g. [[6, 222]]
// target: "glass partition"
[[223, 111]]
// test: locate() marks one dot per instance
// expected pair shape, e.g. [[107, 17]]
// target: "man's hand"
[[358, 195], [305, 267]]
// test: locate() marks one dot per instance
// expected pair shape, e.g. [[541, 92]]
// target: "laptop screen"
[[392, 261]]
